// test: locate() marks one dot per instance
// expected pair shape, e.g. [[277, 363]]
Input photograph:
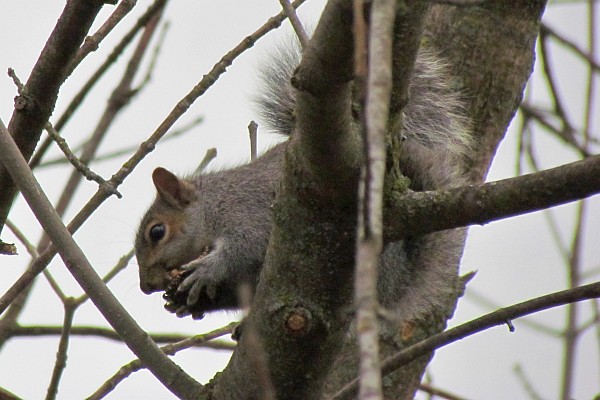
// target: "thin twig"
[[31, 249], [487, 321], [23, 239], [110, 334], [437, 392], [489, 305], [210, 155], [62, 144], [171, 349], [91, 43], [559, 108], [119, 266], [526, 382], [61, 354], [540, 116], [596, 312], [153, 58], [591, 82], [76, 162], [252, 132], [589, 58], [570, 335], [295, 21], [127, 150]]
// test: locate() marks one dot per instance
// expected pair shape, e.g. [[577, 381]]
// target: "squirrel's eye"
[[157, 232]]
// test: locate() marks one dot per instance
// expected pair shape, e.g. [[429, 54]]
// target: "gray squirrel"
[[205, 235]]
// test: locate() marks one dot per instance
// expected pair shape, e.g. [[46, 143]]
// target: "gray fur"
[[231, 209], [415, 274]]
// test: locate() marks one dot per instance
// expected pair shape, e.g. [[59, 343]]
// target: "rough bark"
[[491, 51], [307, 276]]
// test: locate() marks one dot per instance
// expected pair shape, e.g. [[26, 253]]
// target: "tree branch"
[[78, 99], [35, 105], [375, 102], [499, 317], [175, 379], [170, 349], [105, 333], [425, 212], [313, 231]]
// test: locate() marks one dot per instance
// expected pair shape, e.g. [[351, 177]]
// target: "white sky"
[[516, 259]]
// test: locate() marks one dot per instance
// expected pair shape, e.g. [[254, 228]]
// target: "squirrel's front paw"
[[197, 282], [176, 302], [194, 293]]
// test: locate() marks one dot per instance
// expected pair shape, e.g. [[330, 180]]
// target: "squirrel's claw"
[[182, 311]]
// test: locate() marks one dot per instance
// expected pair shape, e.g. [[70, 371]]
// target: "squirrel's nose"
[[148, 287], [151, 283]]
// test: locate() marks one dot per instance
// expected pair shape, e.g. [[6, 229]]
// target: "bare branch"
[[106, 333], [370, 228], [63, 345], [119, 266], [526, 383], [91, 82], [547, 30], [119, 98], [62, 144], [137, 365], [175, 133], [92, 42], [34, 255], [479, 204], [436, 392], [488, 305], [164, 369], [35, 105], [499, 317], [252, 132], [295, 21]]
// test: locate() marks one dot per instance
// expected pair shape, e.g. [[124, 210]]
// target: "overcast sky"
[[515, 259]]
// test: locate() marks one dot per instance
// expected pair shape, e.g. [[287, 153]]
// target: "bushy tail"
[[435, 125], [276, 99]]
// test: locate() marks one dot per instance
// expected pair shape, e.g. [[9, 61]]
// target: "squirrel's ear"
[[171, 189]]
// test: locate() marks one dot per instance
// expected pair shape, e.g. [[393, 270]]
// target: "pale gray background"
[[516, 259]]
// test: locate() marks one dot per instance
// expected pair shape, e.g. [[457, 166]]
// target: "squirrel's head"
[[165, 240]]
